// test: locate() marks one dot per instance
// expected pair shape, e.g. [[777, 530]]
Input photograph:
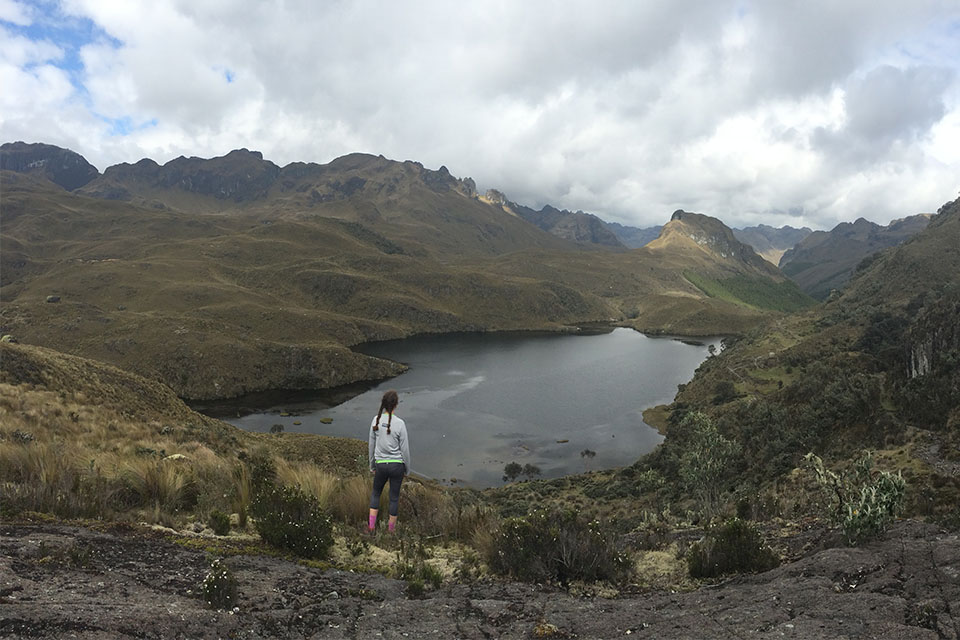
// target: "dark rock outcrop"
[[240, 176], [580, 227], [139, 584], [66, 168]]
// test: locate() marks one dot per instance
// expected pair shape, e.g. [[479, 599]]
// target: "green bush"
[[706, 464], [289, 519], [219, 587], [862, 503], [556, 545], [219, 522], [734, 547], [412, 566]]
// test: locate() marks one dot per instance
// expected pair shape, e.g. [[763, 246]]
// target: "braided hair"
[[389, 402]]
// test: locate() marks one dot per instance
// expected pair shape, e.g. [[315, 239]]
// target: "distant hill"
[[634, 237], [579, 227], [825, 260], [60, 166], [229, 275], [738, 274], [875, 368], [770, 242]]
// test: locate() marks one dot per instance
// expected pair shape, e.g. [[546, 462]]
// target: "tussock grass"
[[156, 484], [74, 450], [351, 503], [309, 479]]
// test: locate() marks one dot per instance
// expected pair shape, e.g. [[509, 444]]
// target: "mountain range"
[[228, 275], [825, 260]]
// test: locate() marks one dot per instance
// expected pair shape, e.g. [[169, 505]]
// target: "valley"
[[150, 284], [218, 287]]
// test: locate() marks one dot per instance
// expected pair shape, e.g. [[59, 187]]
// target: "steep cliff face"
[[61, 166], [576, 226], [933, 342], [239, 176]]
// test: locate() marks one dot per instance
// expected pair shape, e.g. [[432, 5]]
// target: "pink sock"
[[392, 525], [373, 522]]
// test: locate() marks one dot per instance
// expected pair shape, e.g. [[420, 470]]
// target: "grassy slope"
[[269, 293], [832, 380]]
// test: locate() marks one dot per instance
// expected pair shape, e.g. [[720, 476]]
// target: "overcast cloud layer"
[[806, 112]]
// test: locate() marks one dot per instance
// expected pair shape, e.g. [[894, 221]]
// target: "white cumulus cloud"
[[802, 113]]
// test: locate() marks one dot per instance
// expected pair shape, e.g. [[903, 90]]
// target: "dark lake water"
[[475, 402]]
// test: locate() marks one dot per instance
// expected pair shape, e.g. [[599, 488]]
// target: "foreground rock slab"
[[68, 582]]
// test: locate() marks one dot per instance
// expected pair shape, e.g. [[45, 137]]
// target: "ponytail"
[[389, 402]]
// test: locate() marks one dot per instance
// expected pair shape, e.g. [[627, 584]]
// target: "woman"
[[389, 455]]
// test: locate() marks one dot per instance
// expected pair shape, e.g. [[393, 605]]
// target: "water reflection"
[[475, 402]]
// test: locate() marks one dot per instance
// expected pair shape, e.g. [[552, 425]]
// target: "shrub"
[[734, 547], [412, 566], [556, 545], [219, 587], [262, 469], [289, 519], [725, 392], [706, 464], [219, 522], [862, 503]]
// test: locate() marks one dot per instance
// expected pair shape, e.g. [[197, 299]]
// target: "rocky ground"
[[59, 581]]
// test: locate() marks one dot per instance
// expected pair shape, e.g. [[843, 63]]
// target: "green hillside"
[[225, 276], [878, 368], [754, 292]]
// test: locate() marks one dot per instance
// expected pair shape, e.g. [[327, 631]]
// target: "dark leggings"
[[385, 470]]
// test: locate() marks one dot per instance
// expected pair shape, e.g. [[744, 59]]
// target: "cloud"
[[786, 113], [14, 13], [887, 112]]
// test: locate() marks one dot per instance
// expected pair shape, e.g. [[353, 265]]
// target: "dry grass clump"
[[156, 484], [69, 448], [351, 503], [310, 479], [61, 456]]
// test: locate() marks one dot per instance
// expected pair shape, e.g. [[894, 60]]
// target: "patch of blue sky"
[[124, 126], [940, 43], [69, 33]]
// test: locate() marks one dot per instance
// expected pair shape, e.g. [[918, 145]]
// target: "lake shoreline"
[[589, 328], [550, 400]]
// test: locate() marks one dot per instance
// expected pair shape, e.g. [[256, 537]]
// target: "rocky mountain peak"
[[241, 175], [61, 166], [689, 231], [580, 227]]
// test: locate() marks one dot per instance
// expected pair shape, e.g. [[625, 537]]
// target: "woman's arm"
[[370, 447], [405, 449]]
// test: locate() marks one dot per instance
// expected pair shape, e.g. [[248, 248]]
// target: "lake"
[[476, 402]]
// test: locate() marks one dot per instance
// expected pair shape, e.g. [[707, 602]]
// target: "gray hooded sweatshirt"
[[389, 447]]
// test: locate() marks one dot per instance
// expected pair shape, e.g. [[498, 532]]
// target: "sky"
[[782, 112]]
